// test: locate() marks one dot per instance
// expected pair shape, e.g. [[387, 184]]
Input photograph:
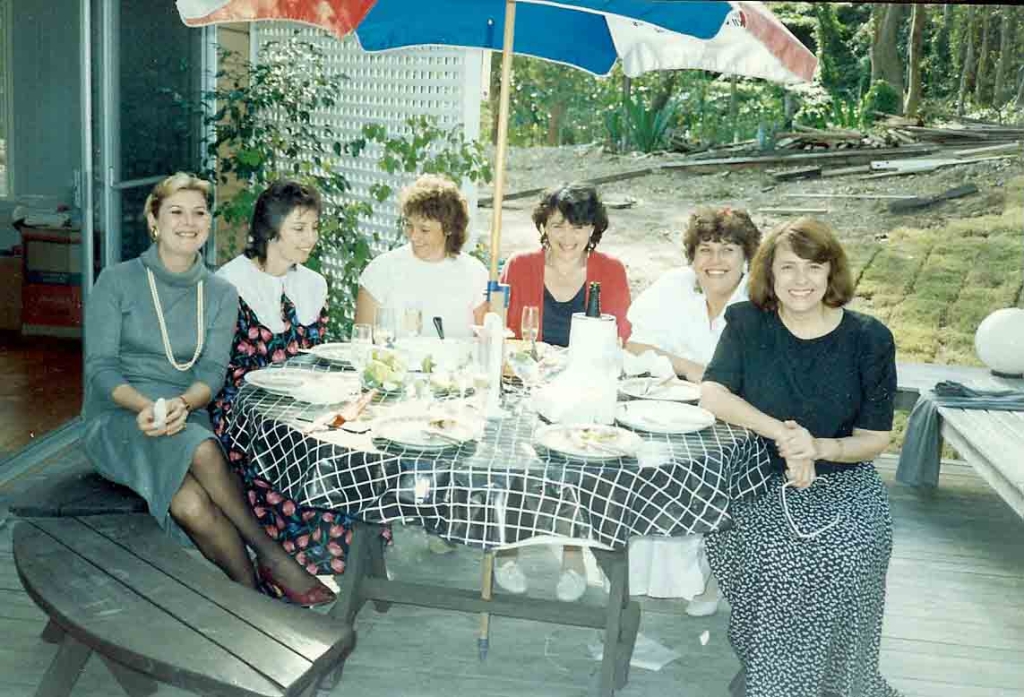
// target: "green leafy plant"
[[882, 98], [268, 123]]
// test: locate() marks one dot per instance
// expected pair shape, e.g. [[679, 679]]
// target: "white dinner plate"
[[328, 388], [675, 391], [337, 352], [427, 433], [663, 417], [278, 380], [590, 443]]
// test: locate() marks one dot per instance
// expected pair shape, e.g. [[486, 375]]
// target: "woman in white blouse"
[[429, 273], [681, 316]]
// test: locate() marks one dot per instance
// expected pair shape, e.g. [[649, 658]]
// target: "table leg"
[[53, 633], [483, 641], [622, 622], [365, 558], [63, 672]]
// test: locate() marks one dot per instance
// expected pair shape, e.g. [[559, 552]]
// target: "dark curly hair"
[[272, 207], [809, 239], [438, 198], [579, 204], [721, 225]]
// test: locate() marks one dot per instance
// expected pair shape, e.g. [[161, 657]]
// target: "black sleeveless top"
[[558, 316]]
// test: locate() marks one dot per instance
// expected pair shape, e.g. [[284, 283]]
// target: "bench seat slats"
[[79, 491], [306, 633], [93, 607]]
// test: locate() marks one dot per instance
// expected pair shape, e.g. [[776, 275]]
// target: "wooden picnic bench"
[[113, 583], [991, 441]]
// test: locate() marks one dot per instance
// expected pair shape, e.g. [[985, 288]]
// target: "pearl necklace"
[[163, 326]]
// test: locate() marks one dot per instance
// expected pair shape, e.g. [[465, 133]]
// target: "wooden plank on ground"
[[132, 628], [917, 203]]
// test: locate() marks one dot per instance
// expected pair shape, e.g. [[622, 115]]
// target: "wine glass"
[[530, 327], [412, 322], [384, 326], [362, 341]]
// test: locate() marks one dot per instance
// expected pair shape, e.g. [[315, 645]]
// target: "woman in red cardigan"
[[556, 279]]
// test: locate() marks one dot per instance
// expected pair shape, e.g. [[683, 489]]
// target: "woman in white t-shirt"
[[428, 273], [681, 316]]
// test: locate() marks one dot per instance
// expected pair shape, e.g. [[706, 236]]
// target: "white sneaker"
[[571, 586], [510, 577], [705, 604]]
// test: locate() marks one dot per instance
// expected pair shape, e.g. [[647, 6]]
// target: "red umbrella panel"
[[339, 17]]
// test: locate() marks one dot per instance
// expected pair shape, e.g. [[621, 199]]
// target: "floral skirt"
[[806, 615], [317, 539]]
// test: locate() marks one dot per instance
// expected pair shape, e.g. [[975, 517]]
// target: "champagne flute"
[[530, 327], [384, 326], [412, 322], [362, 341]]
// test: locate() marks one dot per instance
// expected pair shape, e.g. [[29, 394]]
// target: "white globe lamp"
[[999, 342]]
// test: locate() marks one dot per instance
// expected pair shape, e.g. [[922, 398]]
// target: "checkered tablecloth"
[[502, 490]]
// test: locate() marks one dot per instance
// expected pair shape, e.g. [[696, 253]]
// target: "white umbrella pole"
[[502, 147]]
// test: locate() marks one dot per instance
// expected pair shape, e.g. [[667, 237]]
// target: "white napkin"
[[647, 362], [577, 396]]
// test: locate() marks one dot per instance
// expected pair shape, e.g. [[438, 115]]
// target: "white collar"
[[262, 292]]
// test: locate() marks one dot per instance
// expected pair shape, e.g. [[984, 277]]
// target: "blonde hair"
[[179, 181]]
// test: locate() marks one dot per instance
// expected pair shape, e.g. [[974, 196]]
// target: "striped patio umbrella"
[[735, 38]]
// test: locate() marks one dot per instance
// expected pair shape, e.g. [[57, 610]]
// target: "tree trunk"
[[886, 63], [555, 119], [1005, 43], [917, 22], [968, 66], [979, 81]]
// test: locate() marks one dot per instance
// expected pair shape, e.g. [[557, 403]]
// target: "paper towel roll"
[[593, 341]]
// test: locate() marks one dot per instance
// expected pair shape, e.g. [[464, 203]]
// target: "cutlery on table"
[[654, 385]]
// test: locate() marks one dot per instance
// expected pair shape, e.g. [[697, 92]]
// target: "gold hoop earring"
[[155, 233]]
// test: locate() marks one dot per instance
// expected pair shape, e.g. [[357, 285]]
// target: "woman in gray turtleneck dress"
[[161, 326]]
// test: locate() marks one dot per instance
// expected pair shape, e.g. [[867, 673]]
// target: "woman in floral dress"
[[282, 309]]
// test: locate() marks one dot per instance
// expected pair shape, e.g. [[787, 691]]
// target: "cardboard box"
[[51, 293]]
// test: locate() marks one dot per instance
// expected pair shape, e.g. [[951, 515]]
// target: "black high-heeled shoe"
[[317, 595]]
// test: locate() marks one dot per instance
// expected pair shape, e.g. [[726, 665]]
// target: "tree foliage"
[[553, 104]]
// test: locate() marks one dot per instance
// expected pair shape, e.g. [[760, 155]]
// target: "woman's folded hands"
[[797, 446], [163, 417]]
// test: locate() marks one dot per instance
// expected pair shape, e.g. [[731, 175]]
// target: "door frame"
[[99, 183]]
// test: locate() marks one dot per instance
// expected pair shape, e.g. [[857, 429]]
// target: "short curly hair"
[[179, 181], [724, 224], [578, 203], [809, 239], [438, 198]]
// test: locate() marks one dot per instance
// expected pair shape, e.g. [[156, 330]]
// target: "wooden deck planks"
[[953, 624]]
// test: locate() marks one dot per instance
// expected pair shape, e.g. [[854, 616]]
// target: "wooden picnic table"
[[990, 440], [496, 492]]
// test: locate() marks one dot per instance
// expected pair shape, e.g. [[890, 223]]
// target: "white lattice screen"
[[388, 88]]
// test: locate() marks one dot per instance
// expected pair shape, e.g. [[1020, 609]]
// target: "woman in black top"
[[804, 565]]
